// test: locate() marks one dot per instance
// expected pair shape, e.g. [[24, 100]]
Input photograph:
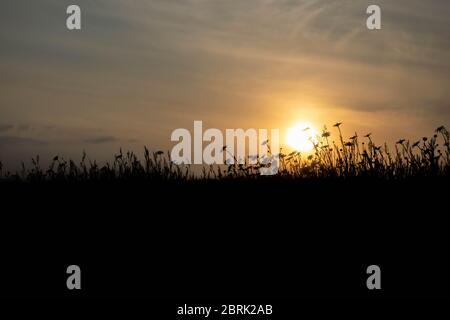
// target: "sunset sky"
[[140, 69]]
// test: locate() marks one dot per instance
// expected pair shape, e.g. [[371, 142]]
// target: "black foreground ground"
[[264, 239]]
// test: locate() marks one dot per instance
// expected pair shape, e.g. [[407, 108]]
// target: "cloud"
[[100, 140], [12, 141], [5, 127], [24, 127]]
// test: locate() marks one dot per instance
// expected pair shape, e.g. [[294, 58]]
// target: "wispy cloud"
[[9, 141], [100, 140], [5, 127]]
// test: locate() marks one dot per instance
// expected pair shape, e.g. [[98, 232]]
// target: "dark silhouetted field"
[[342, 159], [150, 228]]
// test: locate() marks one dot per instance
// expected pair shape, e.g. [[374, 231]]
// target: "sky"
[[137, 70]]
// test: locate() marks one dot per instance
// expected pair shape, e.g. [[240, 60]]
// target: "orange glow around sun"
[[300, 137]]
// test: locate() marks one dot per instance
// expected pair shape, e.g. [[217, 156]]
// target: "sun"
[[300, 137]]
